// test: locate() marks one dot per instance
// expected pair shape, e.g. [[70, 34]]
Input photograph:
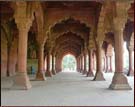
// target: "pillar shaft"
[[48, 71], [107, 63], [110, 64], [77, 64], [81, 64], [84, 71], [40, 73], [21, 79], [131, 71], [104, 64], [90, 72], [94, 68], [99, 74], [119, 81], [53, 66]]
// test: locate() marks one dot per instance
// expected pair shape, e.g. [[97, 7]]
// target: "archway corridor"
[[42, 42]]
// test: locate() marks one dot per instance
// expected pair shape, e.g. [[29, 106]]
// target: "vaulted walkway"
[[67, 88]]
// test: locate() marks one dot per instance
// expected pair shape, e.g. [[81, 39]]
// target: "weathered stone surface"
[[48, 74], [99, 76], [21, 81], [90, 74], [119, 82], [40, 76]]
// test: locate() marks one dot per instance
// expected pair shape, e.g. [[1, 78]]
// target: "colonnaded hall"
[[67, 53]]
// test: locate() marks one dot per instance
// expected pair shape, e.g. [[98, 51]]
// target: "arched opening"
[[69, 63]]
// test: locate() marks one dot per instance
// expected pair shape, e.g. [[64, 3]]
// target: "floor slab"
[[67, 89]]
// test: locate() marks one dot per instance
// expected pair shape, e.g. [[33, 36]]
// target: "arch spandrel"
[[79, 28], [59, 17]]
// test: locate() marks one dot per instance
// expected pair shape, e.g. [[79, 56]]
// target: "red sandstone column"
[[107, 66], [110, 64], [53, 66], [119, 81], [77, 63], [104, 64], [40, 73], [94, 61], [90, 72], [48, 73], [99, 74], [81, 63], [84, 71], [57, 64], [21, 79], [131, 71]]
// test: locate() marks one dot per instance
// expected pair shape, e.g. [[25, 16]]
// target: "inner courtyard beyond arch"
[[64, 49], [69, 63]]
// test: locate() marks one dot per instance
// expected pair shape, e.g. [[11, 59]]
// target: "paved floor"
[[68, 89]]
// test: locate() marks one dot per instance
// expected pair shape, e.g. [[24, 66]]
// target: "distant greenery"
[[69, 62]]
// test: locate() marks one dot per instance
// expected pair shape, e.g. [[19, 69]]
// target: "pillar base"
[[40, 76], [90, 74], [99, 76], [53, 72], [48, 74], [21, 81], [84, 72], [120, 82], [77, 70], [130, 73], [80, 71], [109, 71]]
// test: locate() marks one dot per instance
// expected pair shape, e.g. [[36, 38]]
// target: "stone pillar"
[[53, 66], [79, 64], [90, 72], [119, 81], [81, 58], [57, 65], [104, 69], [107, 64], [84, 71], [21, 80], [94, 58], [40, 73], [99, 75], [48, 72], [110, 70], [131, 71]]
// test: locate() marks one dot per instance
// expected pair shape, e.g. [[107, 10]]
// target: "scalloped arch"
[[84, 22]]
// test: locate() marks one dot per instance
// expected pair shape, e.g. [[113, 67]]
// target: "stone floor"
[[68, 89]]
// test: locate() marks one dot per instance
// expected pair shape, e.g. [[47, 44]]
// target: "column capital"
[[122, 14], [22, 18], [99, 44]]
